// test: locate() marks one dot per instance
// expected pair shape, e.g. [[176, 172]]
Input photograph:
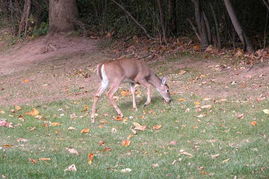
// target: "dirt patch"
[[62, 67]]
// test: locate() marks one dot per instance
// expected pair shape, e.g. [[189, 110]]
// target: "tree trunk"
[[172, 24], [202, 24], [62, 15], [23, 27], [162, 21], [237, 26]]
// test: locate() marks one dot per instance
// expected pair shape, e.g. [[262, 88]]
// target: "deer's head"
[[164, 90]]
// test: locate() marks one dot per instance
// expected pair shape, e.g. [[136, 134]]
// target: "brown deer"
[[132, 71]]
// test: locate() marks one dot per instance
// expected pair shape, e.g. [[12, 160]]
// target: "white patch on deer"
[[105, 81]]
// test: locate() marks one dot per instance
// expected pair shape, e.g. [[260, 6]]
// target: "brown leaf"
[[7, 145]]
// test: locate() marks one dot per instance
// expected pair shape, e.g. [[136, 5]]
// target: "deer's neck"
[[155, 81]]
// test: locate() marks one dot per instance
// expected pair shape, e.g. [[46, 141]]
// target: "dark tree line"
[[221, 23]]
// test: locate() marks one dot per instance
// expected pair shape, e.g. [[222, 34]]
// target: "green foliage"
[[41, 30]]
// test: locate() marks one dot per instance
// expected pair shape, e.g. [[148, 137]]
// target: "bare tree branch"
[[135, 21]]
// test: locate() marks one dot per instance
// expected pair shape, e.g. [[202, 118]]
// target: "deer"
[[133, 71]]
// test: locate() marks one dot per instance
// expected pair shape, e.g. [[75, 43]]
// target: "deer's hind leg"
[[100, 91], [114, 87]]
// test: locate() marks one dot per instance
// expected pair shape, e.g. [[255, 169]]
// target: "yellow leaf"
[[157, 127], [33, 112], [54, 124], [90, 158], [181, 100], [125, 143], [86, 130], [125, 93], [197, 103]]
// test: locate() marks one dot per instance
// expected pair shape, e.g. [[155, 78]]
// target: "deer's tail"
[[98, 70]]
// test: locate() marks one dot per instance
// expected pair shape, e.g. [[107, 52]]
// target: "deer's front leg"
[[132, 89], [147, 85], [110, 95]]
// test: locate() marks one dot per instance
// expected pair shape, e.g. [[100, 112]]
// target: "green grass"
[[242, 147]]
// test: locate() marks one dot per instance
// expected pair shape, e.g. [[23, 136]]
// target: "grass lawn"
[[191, 138]]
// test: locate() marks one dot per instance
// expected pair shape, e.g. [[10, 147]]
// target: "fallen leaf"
[[206, 106], [181, 100], [17, 108], [125, 143], [118, 118], [226, 160], [72, 151], [101, 142], [54, 124], [253, 123], [86, 130], [157, 127], [4, 123], [114, 130], [106, 149], [33, 112], [2, 112], [155, 165], [185, 153], [240, 116], [197, 103], [201, 115], [71, 168], [139, 126], [85, 108], [44, 159], [126, 170], [182, 72], [26, 81], [33, 161], [22, 140], [125, 93], [7, 145], [90, 158], [71, 128], [266, 111], [173, 142], [215, 156]]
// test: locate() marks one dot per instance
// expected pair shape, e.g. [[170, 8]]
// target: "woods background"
[[221, 23]]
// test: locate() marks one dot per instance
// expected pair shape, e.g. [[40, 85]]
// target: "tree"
[[237, 26], [62, 15], [203, 31]]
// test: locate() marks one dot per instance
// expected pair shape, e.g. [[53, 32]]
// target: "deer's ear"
[[164, 81]]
